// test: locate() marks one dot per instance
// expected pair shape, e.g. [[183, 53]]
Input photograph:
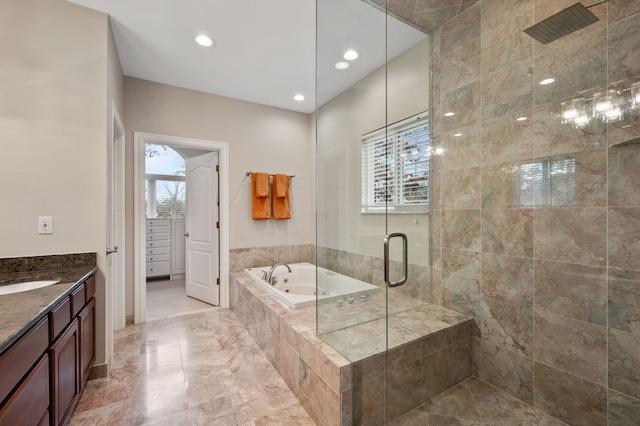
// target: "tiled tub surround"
[[431, 351], [251, 257], [22, 310], [552, 282]]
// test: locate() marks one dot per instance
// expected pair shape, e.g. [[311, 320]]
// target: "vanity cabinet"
[[26, 363], [65, 373], [45, 370]]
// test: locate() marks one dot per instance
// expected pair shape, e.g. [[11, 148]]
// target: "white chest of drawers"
[[158, 244]]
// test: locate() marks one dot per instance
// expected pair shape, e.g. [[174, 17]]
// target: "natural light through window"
[[395, 167], [165, 185]]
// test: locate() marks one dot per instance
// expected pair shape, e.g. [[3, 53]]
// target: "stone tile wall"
[[370, 269], [251, 257], [336, 391], [553, 285]]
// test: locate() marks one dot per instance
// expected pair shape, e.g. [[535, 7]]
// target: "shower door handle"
[[405, 264]]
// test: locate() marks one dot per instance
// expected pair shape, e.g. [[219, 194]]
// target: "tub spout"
[[270, 274]]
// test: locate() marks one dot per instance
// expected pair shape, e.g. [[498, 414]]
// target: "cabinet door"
[[28, 404], [87, 338], [65, 374]]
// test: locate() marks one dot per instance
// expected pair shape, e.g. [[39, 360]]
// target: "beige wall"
[[52, 131], [260, 138], [386, 96]]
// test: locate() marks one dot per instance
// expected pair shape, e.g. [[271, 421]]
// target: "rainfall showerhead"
[[563, 23]]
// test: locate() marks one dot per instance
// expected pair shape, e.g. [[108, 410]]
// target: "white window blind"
[[395, 167]]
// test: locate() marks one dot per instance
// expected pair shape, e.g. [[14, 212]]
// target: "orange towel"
[[281, 200], [260, 200]]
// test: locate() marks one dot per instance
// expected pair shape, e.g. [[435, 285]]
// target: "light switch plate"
[[45, 225]]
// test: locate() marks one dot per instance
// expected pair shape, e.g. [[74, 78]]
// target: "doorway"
[[202, 173]]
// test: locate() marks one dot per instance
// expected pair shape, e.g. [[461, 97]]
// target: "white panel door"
[[202, 236]]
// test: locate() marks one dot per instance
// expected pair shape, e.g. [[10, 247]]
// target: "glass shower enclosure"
[[373, 160]]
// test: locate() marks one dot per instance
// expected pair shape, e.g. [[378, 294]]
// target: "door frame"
[[116, 155], [139, 140]]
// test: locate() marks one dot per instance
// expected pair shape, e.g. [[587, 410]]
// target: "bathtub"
[[297, 289]]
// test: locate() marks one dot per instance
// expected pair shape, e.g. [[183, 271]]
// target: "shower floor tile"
[[476, 403]]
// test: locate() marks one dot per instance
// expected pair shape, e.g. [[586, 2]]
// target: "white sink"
[[25, 286]]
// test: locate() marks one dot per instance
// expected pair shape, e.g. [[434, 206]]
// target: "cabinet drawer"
[[158, 237], [158, 222], [158, 250], [60, 317], [165, 243], [158, 269], [30, 401], [90, 286], [158, 258], [77, 299], [158, 229], [18, 359]]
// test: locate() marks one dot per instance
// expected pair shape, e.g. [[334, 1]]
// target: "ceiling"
[[264, 51]]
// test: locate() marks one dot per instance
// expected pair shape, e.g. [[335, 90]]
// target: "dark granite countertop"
[[19, 311]]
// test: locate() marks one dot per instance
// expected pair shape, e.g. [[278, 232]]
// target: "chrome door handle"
[[403, 280], [186, 234], [112, 250]]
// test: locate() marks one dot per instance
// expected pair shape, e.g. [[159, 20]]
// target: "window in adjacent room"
[[395, 167], [165, 185]]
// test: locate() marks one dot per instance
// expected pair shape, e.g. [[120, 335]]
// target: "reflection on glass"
[[546, 183]]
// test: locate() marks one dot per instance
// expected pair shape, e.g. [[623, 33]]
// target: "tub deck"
[[337, 374]]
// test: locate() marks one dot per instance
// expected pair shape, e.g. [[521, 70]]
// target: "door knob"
[[186, 234], [112, 250]]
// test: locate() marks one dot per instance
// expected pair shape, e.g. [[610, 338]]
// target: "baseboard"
[[98, 372]]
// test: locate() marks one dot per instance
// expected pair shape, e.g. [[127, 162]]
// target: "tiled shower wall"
[[553, 282]]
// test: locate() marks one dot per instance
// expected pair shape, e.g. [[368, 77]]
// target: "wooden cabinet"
[[86, 322], [29, 404], [43, 373], [65, 374]]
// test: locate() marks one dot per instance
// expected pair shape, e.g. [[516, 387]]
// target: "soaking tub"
[[297, 289]]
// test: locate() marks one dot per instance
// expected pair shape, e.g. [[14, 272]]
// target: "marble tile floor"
[[199, 369], [167, 298], [476, 403], [205, 369]]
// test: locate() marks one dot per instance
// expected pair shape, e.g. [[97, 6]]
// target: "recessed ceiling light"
[[342, 65], [521, 118], [457, 134], [547, 81], [449, 114], [203, 40], [350, 55], [299, 98]]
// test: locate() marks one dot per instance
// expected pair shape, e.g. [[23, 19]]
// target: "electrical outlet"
[[45, 225]]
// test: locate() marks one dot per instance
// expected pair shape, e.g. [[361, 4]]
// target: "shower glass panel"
[[373, 152]]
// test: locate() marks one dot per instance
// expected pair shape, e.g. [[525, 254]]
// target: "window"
[[395, 167], [165, 184]]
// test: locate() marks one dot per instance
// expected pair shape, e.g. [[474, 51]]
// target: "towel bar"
[[270, 174]]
